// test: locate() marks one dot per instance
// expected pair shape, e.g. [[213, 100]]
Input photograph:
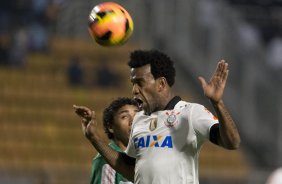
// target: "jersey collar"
[[172, 103], [113, 145]]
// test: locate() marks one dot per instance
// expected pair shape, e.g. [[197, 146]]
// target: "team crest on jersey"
[[171, 119], [153, 124]]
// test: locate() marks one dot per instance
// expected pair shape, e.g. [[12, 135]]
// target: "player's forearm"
[[116, 159], [229, 135]]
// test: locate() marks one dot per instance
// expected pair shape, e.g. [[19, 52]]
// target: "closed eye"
[[137, 81]]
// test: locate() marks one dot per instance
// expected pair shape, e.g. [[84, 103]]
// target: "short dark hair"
[[161, 64], [111, 110]]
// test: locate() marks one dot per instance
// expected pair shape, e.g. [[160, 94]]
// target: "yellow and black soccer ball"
[[110, 24]]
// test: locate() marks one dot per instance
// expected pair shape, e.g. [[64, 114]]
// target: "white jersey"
[[166, 144]]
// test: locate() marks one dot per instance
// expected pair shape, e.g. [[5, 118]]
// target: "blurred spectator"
[[208, 19], [19, 48], [208, 13], [25, 26], [21, 12], [274, 53], [13, 47], [39, 9], [5, 31], [105, 76], [250, 39], [38, 37], [44, 15], [75, 72], [53, 11], [4, 48]]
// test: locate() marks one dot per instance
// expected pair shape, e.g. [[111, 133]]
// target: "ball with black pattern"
[[110, 24]]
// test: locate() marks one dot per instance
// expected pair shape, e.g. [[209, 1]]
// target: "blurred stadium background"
[[49, 62]]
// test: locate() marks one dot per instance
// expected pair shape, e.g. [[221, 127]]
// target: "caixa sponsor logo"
[[156, 141]]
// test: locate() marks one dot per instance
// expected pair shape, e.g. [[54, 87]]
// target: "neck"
[[162, 99], [166, 98], [120, 144]]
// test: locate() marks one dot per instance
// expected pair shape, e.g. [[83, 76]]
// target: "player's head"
[[118, 117], [161, 64], [152, 75]]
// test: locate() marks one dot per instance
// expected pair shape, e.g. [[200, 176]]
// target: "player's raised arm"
[[119, 161], [228, 135]]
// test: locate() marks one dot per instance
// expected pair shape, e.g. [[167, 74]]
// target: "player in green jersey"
[[117, 120]]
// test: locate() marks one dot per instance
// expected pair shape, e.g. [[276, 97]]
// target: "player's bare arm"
[[228, 136], [119, 161]]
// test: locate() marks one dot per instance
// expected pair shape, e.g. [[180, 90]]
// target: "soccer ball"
[[110, 24]]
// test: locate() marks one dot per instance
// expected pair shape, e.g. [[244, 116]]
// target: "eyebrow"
[[124, 111], [137, 79]]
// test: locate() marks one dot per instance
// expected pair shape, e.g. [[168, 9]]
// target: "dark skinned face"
[[145, 89]]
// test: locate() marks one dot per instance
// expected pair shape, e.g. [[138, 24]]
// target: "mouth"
[[139, 102]]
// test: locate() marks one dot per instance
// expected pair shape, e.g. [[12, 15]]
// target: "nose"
[[135, 89], [132, 114], [130, 121]]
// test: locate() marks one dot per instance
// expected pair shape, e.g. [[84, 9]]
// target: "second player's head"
[[117, 119]]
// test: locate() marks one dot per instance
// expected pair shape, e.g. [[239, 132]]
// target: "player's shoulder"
[[98, 161], [139, 113], [187, 105], [97, 157], [138, 118]]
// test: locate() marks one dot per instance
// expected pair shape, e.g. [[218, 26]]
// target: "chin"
[[147, 112]]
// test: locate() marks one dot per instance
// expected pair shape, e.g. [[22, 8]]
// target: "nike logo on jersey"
[[156, 141]]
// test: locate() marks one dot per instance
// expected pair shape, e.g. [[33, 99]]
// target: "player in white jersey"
[[166, 144], [167, 135]]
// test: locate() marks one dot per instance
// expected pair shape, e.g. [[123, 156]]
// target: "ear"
[[110, 128], [161, 84]]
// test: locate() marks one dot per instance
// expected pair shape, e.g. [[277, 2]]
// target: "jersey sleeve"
[[108, 175], [96, 169], [103, 173], [202, 120]]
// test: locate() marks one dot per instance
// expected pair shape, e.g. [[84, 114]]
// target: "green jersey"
[[103, 173]]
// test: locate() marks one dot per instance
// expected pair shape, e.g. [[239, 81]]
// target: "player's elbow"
[[233, 145]]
